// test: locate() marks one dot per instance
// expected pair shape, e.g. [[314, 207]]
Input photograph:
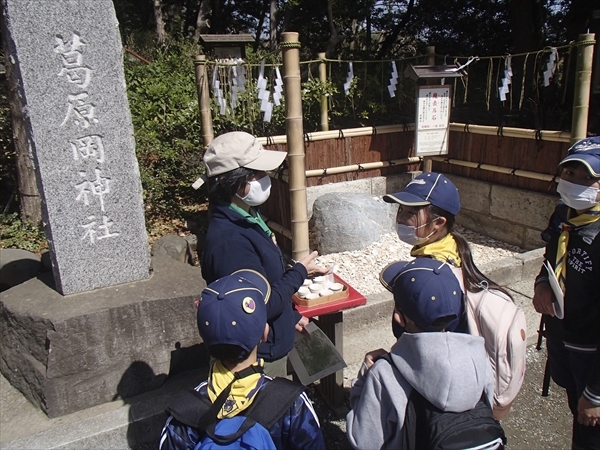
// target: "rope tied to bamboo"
[[467, 130], [290, 44], [341, 134]]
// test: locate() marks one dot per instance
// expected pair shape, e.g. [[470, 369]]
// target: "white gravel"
[[361, 268]]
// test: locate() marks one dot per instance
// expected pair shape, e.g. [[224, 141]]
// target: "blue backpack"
[[249, 430]]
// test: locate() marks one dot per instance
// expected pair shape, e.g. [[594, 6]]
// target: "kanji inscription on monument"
[[66, 57]]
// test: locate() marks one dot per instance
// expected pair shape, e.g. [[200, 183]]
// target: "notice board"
[[432, 120]]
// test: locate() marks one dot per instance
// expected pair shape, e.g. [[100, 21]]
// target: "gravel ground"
[[361, 268]]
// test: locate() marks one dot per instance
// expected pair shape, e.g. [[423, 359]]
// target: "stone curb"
[[113, 425], [504, 271]]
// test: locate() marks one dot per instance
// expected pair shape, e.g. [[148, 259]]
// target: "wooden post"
[[583, 82], [430, 51], [323, 79], [295, 139], [203, 100]]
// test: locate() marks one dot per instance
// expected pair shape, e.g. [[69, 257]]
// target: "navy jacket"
[[297, 429], [579, 328], [233, 243]]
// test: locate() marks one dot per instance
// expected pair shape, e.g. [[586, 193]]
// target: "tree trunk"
[[273, 24], [29, 195], [202, 22], [334, 36], [160, 24]]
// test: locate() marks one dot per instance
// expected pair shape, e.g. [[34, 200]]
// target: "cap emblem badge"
[[248, 305]]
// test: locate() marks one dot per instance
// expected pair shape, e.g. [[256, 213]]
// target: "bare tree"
[[160, 24]]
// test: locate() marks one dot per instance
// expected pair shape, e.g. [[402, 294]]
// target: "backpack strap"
[[270, 404], [193, 409], [274, 400]]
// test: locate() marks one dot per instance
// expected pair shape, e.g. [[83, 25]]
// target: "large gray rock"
[[66, 354], [348, 221], [65, 60], [17, 266]]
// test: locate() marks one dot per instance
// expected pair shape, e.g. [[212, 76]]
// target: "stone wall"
[[511, 215]]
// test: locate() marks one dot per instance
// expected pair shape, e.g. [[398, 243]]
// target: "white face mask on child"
[[408, 234], [259, 191], [577, 196]]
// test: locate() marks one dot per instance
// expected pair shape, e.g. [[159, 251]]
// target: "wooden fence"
[[538, 155]]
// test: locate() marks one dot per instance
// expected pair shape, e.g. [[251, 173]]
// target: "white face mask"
[[408, 234], [577, 196], [259, 191]]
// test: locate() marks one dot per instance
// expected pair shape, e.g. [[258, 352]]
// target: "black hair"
[[228, 353], [473, 279], [223, 187]]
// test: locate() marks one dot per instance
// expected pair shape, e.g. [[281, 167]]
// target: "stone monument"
[[66, 57], [100, 328]]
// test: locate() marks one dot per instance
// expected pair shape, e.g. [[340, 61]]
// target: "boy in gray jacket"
[[450, 370]]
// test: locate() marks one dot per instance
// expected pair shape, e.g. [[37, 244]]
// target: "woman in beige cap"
[[238, 238]]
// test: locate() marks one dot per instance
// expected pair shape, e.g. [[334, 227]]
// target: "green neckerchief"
[[258, 220]]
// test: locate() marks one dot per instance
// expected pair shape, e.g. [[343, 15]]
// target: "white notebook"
[[559, 302]]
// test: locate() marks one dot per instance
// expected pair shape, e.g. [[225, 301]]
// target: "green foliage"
[[8, 171], [23, 235], [164, 108]]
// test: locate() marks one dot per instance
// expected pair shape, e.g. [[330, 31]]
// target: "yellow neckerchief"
[[242, 391], [589, 216], [443, 250]]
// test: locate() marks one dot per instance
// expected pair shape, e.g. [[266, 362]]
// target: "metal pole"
[[583, 82], [323, 78], [295, 139], [203, 100]]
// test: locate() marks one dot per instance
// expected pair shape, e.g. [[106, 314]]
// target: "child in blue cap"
[[450, 370], [232, 320], [427, 210], [573, 251]]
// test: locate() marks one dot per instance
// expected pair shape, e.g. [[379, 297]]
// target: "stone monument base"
[[68, 353]]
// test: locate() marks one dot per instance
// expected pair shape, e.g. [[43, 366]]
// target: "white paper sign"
[[432, 118]]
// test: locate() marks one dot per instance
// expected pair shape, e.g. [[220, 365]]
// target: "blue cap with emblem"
[[587, 152], [233, 310], [426, 291], [429, 188]]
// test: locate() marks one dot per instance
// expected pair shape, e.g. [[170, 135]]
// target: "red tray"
[[354, 299]]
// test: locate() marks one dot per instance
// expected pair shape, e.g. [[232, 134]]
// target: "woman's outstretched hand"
[[312, 268]]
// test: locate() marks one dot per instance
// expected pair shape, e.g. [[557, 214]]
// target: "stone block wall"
[[511, 215]]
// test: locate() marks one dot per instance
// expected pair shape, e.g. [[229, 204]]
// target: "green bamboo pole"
[[295, 139], [203, 100], [583, 83]]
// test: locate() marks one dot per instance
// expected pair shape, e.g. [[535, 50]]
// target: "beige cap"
[[239, 149]]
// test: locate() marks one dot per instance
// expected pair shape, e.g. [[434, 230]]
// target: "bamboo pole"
[[430, 51], [284, 176], [323, 78], [203, 100], [497, 169], [295, 140], [521, 133], [583, 83]]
